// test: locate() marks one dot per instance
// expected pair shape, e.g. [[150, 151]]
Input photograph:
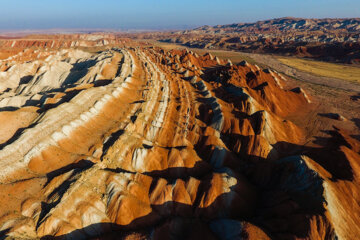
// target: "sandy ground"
[[272, 62]]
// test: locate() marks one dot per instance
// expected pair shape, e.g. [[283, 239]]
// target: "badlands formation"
[[335, 40], [136, 142]]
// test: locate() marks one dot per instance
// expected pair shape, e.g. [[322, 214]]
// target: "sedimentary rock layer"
[[335, 40], [142, 143]]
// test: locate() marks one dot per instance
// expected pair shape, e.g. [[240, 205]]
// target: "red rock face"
[[59, 41], [143, 143], [20, 48]]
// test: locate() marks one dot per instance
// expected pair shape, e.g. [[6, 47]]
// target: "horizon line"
[[85, 30]]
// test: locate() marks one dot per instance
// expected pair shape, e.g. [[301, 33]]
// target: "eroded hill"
[[143, 143], [335, 40]]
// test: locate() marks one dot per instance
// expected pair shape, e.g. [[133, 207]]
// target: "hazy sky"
[[157, 14]]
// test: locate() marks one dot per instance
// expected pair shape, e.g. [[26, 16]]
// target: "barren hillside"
[[136, 142], [335, 40]]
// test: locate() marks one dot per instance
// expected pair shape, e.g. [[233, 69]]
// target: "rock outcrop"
[[143, 143], [334, 40]]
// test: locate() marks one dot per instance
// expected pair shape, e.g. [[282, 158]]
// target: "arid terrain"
[[103, 137], [333, 88], [334, 40]]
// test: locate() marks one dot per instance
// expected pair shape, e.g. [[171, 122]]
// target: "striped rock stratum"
[[137, 142]]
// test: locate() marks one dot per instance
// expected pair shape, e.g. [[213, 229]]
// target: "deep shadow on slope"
[[143, 225], [78, 71], [280, 185]]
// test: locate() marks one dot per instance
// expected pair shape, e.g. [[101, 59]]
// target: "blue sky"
[[160, 14]]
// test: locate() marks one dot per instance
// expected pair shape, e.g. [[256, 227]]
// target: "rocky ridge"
[[335, 40], [143, 143]]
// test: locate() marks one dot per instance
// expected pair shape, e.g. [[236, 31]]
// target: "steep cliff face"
[[142, 143]]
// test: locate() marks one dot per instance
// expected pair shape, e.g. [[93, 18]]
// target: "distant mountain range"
[[351, 25], [336, 40], [329, 39]]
